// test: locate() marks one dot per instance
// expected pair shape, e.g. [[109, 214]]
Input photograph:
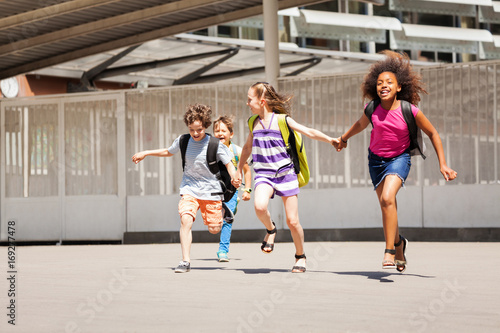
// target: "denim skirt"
[[381, 167]]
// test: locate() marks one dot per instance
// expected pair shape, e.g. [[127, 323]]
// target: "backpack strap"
[[370, 107], [412, 125], [289, 138], [183, 143], [213, 146], [235, 153], [251, 121], [213, 165], [283, 125]]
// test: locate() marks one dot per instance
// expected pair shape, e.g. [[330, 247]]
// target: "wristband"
[[249, 190], [342, 139]]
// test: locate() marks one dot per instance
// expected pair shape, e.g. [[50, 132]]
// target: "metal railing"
[[73, 139]]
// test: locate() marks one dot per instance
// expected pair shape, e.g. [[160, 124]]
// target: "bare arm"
[[310, 132], [357, 127], [425, 125], [247, 174], [158, 152], [245, 153]]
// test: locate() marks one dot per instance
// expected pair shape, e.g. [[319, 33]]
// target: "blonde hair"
[[226, 120], [279, 103]]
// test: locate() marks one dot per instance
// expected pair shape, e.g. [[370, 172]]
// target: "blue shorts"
[[381, 167]]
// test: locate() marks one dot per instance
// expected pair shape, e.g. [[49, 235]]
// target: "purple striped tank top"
[[269, 154]]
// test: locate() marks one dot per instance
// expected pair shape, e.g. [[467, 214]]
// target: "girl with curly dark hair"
[[389, 82]]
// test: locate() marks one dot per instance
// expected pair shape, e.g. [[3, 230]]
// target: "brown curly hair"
[[199, 112], [279, 103], [410, 81]]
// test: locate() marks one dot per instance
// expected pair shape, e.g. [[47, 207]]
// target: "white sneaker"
[[183, 267]]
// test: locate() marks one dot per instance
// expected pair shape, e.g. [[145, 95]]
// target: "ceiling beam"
[[115, 71], [45, 13], [147, 36], [89, 76], [253, 70], [197, 73], [104, 24]]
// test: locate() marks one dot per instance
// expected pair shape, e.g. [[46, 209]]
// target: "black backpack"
[[217, 168], [417, 145]]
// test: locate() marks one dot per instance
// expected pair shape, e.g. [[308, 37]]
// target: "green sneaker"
[[222, 255]]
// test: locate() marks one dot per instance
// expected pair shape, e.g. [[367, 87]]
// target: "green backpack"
[[294, 147]]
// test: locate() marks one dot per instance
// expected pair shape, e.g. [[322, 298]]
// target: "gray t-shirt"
[[197, 179]]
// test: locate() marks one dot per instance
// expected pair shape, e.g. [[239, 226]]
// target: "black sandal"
[[386, 264], [299, 269], [401, 264], [266, 245]]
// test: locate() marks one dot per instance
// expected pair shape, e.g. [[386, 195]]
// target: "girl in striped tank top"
[[274, 173]]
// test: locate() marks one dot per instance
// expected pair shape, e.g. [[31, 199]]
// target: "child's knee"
[[260, 208], [214, 228], [293, 223], [187, 218]]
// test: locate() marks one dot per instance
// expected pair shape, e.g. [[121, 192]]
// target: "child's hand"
[[236, 181], [245, 196], [138, 157], [448, 173], [341, 144], [336, 143]]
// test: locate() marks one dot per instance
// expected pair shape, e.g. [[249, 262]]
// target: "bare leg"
[[263, 194], [386, 193], [292, 220], [186, 236]]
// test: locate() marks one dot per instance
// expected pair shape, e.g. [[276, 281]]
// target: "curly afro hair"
[[200, 112], [410, 81]]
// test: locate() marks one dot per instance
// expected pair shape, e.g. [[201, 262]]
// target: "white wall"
[[453, 206]]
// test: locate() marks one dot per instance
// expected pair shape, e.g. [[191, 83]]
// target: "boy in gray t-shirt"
[[198, 182]]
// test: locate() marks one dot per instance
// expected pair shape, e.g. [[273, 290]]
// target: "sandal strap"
[[390, 251], [400, 241], [302, 256], [273, 231]]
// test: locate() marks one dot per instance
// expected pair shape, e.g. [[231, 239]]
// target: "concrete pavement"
[[447, 287]]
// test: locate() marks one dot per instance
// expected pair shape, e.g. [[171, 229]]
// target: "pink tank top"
[[390, 136]]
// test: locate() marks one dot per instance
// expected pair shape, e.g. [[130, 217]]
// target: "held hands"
[[448, 173], [340, 143], [236, 180], [335, 143]]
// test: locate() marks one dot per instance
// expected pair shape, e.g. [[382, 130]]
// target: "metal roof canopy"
[[39, 34], [490, 14], [329, 25], [188, 57], [437, 38], [446, 7]]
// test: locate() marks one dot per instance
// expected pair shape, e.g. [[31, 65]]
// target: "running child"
[[223, 129], [389, 82], [198, 183], [273, 167]]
